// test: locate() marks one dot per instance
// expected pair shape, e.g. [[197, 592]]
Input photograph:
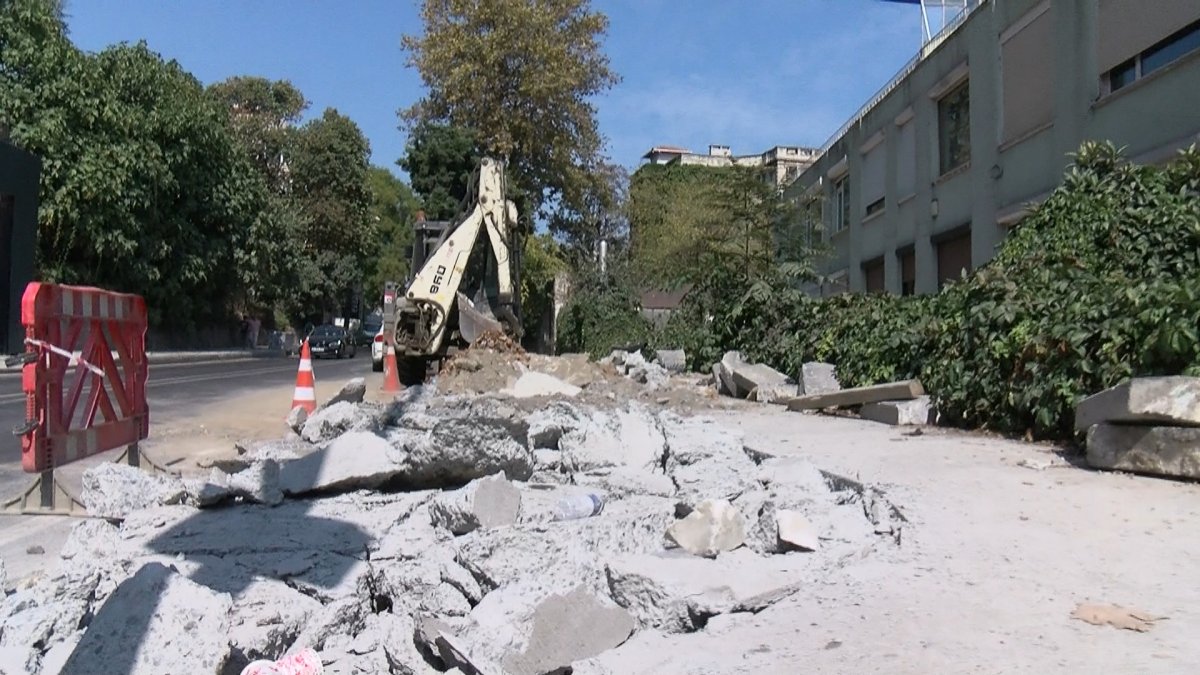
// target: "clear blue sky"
[[751, 75]]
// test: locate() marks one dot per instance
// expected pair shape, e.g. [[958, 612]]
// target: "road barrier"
[[79, 405]]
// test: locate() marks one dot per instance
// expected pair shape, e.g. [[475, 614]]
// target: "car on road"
[[331, 341], [367, 330], [377, 351]]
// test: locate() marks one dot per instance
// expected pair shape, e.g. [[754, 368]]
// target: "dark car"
[[331, 341], [367, 331]]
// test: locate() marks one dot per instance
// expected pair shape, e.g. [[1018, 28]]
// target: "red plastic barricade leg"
[[84, 376]]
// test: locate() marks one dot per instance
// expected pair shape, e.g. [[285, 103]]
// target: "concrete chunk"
[[714, 526], [156, 622], [352, 392], [892, 391], [113, 490], [915, 412], [818, 378], [358, 459], [485, 502], [674, 360], [761, 378], [568, 628], [1143, 400], [1161, 451], [794, 529], [532, 384]]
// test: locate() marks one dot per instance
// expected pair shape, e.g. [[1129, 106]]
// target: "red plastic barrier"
[[63, 424]]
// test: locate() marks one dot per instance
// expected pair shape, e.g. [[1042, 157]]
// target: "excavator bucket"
[[475, 320]]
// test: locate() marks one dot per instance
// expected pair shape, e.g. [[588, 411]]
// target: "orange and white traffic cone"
[[391, 375], [306, 391]]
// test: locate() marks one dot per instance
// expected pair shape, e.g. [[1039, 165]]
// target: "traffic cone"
[[391, 375], [306, 392]]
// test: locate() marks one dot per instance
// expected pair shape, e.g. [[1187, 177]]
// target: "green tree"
[[521, 74], [329, 180], [440, 160], [263, 115], [542, 260], [143, 188], [599, 214], [393, 208]]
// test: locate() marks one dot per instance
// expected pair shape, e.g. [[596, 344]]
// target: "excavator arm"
[[425, 312]]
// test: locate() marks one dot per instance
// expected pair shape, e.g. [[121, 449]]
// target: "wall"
[[19, 174], [1019, 146]]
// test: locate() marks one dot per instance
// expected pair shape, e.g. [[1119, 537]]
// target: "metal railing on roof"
[[904, 72]]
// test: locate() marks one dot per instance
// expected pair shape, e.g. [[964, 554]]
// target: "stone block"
[[485, 502], [1143, 400], [674, 360], [914, 412], [352, 392], [714, 526], [892, 391], [818, 378], [1161, 451]]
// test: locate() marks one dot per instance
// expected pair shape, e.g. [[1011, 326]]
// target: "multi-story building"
[[781, 164], [928, 178]]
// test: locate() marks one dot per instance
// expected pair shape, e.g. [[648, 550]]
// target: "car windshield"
[[327, 331], [372, 326]]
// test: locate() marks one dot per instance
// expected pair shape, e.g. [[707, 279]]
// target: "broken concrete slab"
[[762, 379], [354, 391], [629, 437], [673, 360], [715, 525], [892, 391], [1171, 401], [485, 502], [794, 529], [156, 622], [569, 628], [533, 384], [706, 460], [112, 490], [818, 378], [723, 370], [336, 419], [548, 424], [624, 481], [718, 381], [1159, 451], [678, 594], [265, 619], [461, 449], [354, 460], [914, 412], [297, 418], [258, 483]]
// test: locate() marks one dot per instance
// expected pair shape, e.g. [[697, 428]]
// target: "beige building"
[[928, 178], [781, 164]]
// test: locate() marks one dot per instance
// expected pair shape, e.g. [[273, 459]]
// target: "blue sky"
[[751, 75]]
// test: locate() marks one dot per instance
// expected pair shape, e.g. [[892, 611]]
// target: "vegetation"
[[440, 160], [521, 74]]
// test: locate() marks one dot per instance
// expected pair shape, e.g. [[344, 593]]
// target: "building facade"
[[19, 173], [781, 164], [928, 178]]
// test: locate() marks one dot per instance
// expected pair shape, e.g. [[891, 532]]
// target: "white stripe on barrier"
[[102, 308], [306, 365], [305, 394], [68, 302], [87, 305], [119, 310], [72, 448]]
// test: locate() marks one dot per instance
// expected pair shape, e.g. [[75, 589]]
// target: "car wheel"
[[377, 366]]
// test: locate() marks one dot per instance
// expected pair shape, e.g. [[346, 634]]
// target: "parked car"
[[368, 329], [332, 342], [377, 350]]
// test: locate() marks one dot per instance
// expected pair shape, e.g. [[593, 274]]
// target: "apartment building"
[[928, 178], [781, 164], [19, 173]]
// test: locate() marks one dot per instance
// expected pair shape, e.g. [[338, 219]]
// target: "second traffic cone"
[[391, 375], [306, 391]]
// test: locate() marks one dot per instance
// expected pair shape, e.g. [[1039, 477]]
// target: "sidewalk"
[[181, 357]]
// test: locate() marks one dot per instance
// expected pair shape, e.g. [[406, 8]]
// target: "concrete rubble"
[[914, 412], [674, 360], [422, 536], [1164, 401], [818, 378], [891, 391], [1147, 425], [635, 366], [739, 378]]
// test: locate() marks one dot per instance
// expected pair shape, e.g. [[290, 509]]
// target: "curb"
[[179, 358]]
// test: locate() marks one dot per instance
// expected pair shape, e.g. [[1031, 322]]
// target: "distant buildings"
[[781, 164], [928, 178]]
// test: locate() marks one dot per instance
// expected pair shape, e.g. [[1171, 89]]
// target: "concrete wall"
[[19, 174], [1151, 118]]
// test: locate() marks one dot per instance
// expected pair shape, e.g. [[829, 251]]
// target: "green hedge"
[[1101, 282]]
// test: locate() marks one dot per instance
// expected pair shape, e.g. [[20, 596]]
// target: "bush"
[[601, 315], [1100, 283]]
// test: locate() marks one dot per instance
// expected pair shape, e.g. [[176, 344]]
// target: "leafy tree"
[[329, 180], [143, 189], [521, 74], [263, 115], [393, 208], [440, 160], [599, 216], [541, 262]]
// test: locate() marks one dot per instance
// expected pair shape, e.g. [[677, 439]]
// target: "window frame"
[[946, 162], [841, 204], [1135, 64]]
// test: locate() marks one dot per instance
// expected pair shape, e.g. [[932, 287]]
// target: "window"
[[954, 128], [873, 179], [906, 159], [1027, 64], [873, 275], [908, 271], [841, 204], [1133, 41], [1161, 54], [954, 256]]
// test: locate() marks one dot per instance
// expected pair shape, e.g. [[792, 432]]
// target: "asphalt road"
[[173, 392]]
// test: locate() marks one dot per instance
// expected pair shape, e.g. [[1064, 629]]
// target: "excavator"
[[463, 280]]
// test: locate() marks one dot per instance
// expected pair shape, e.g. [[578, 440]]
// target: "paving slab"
[[907, 389], [1145, 400], [1161, 451]]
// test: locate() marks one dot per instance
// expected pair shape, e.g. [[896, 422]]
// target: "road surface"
[[174, 391]]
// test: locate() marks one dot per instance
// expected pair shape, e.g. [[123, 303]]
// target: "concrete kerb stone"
[[1173, 401], [1160, 451], [818, 378], [913, 412]]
